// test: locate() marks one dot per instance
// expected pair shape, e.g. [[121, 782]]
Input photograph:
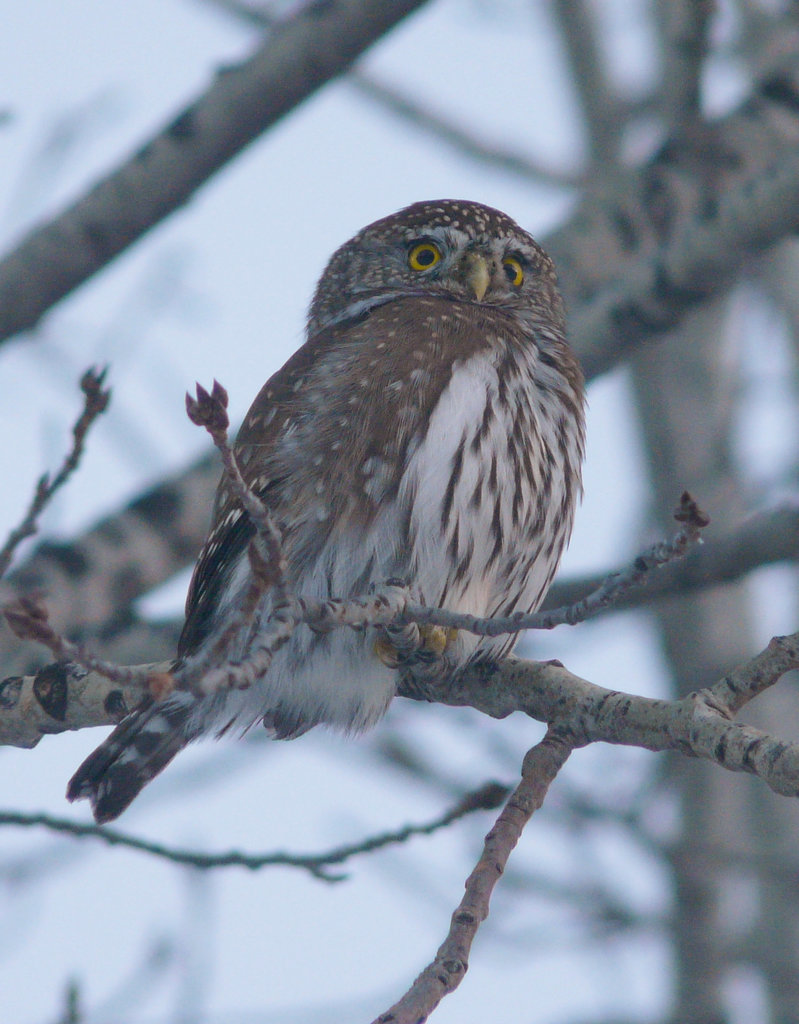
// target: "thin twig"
[[267, 565], [611, 589], [767, 537], [447, 970], [210, 411], [486, 798], [29, 620], [95, 401]]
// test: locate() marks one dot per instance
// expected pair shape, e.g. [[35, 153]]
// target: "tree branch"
[[601, 109], [451, 962], [686, 43], [698, 725], [61, 697], [91, 581], [404, 107], [300, 56], [769, 537], [95, 402], [649, 245], [486, 798]]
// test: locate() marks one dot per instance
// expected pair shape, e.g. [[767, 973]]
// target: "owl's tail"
[[140, 747]]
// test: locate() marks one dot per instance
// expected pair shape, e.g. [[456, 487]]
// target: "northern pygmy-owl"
[[430, 429]]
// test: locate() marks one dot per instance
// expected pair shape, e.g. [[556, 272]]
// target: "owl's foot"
[[436, 639], [432, 643]]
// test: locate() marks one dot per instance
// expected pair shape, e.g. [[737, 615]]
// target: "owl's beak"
[[476, 273]]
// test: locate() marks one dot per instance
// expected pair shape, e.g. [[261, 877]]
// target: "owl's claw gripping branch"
[[399, 646]]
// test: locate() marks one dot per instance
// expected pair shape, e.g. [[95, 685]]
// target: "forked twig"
[[28, 619], [95, 401]]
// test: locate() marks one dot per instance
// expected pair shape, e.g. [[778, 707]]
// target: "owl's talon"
[[434, 641], [387, 652]]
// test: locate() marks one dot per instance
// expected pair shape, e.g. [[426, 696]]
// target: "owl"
[[430, 430]]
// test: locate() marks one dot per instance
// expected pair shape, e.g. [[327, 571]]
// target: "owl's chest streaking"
[[493, 485]]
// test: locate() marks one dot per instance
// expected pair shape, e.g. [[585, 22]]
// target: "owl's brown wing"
[[231, 530]]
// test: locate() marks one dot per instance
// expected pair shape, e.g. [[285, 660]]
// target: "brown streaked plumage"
[[430, 429]]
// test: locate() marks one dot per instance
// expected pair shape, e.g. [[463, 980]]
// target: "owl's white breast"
[[480, 548]]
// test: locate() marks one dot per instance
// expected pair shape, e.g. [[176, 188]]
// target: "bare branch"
[[698, 725], [210, 411], [768, 537], [686, 44], [29, 620], [485, 798], [95, 402], [92, 581], [63, 697], [600, 105], [746, 682], [447, 970], [664, 238], [443, 130], [604, 596], [423, 118]]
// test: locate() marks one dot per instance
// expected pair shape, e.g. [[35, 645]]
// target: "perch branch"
[[62, 697], [698, 725]]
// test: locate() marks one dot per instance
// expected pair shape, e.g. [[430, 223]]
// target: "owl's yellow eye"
[[513, 271], [423, 256]]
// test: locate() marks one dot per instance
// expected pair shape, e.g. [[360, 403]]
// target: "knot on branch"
[[689, 513]]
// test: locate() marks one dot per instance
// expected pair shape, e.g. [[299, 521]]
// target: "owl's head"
[[450, 248]]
